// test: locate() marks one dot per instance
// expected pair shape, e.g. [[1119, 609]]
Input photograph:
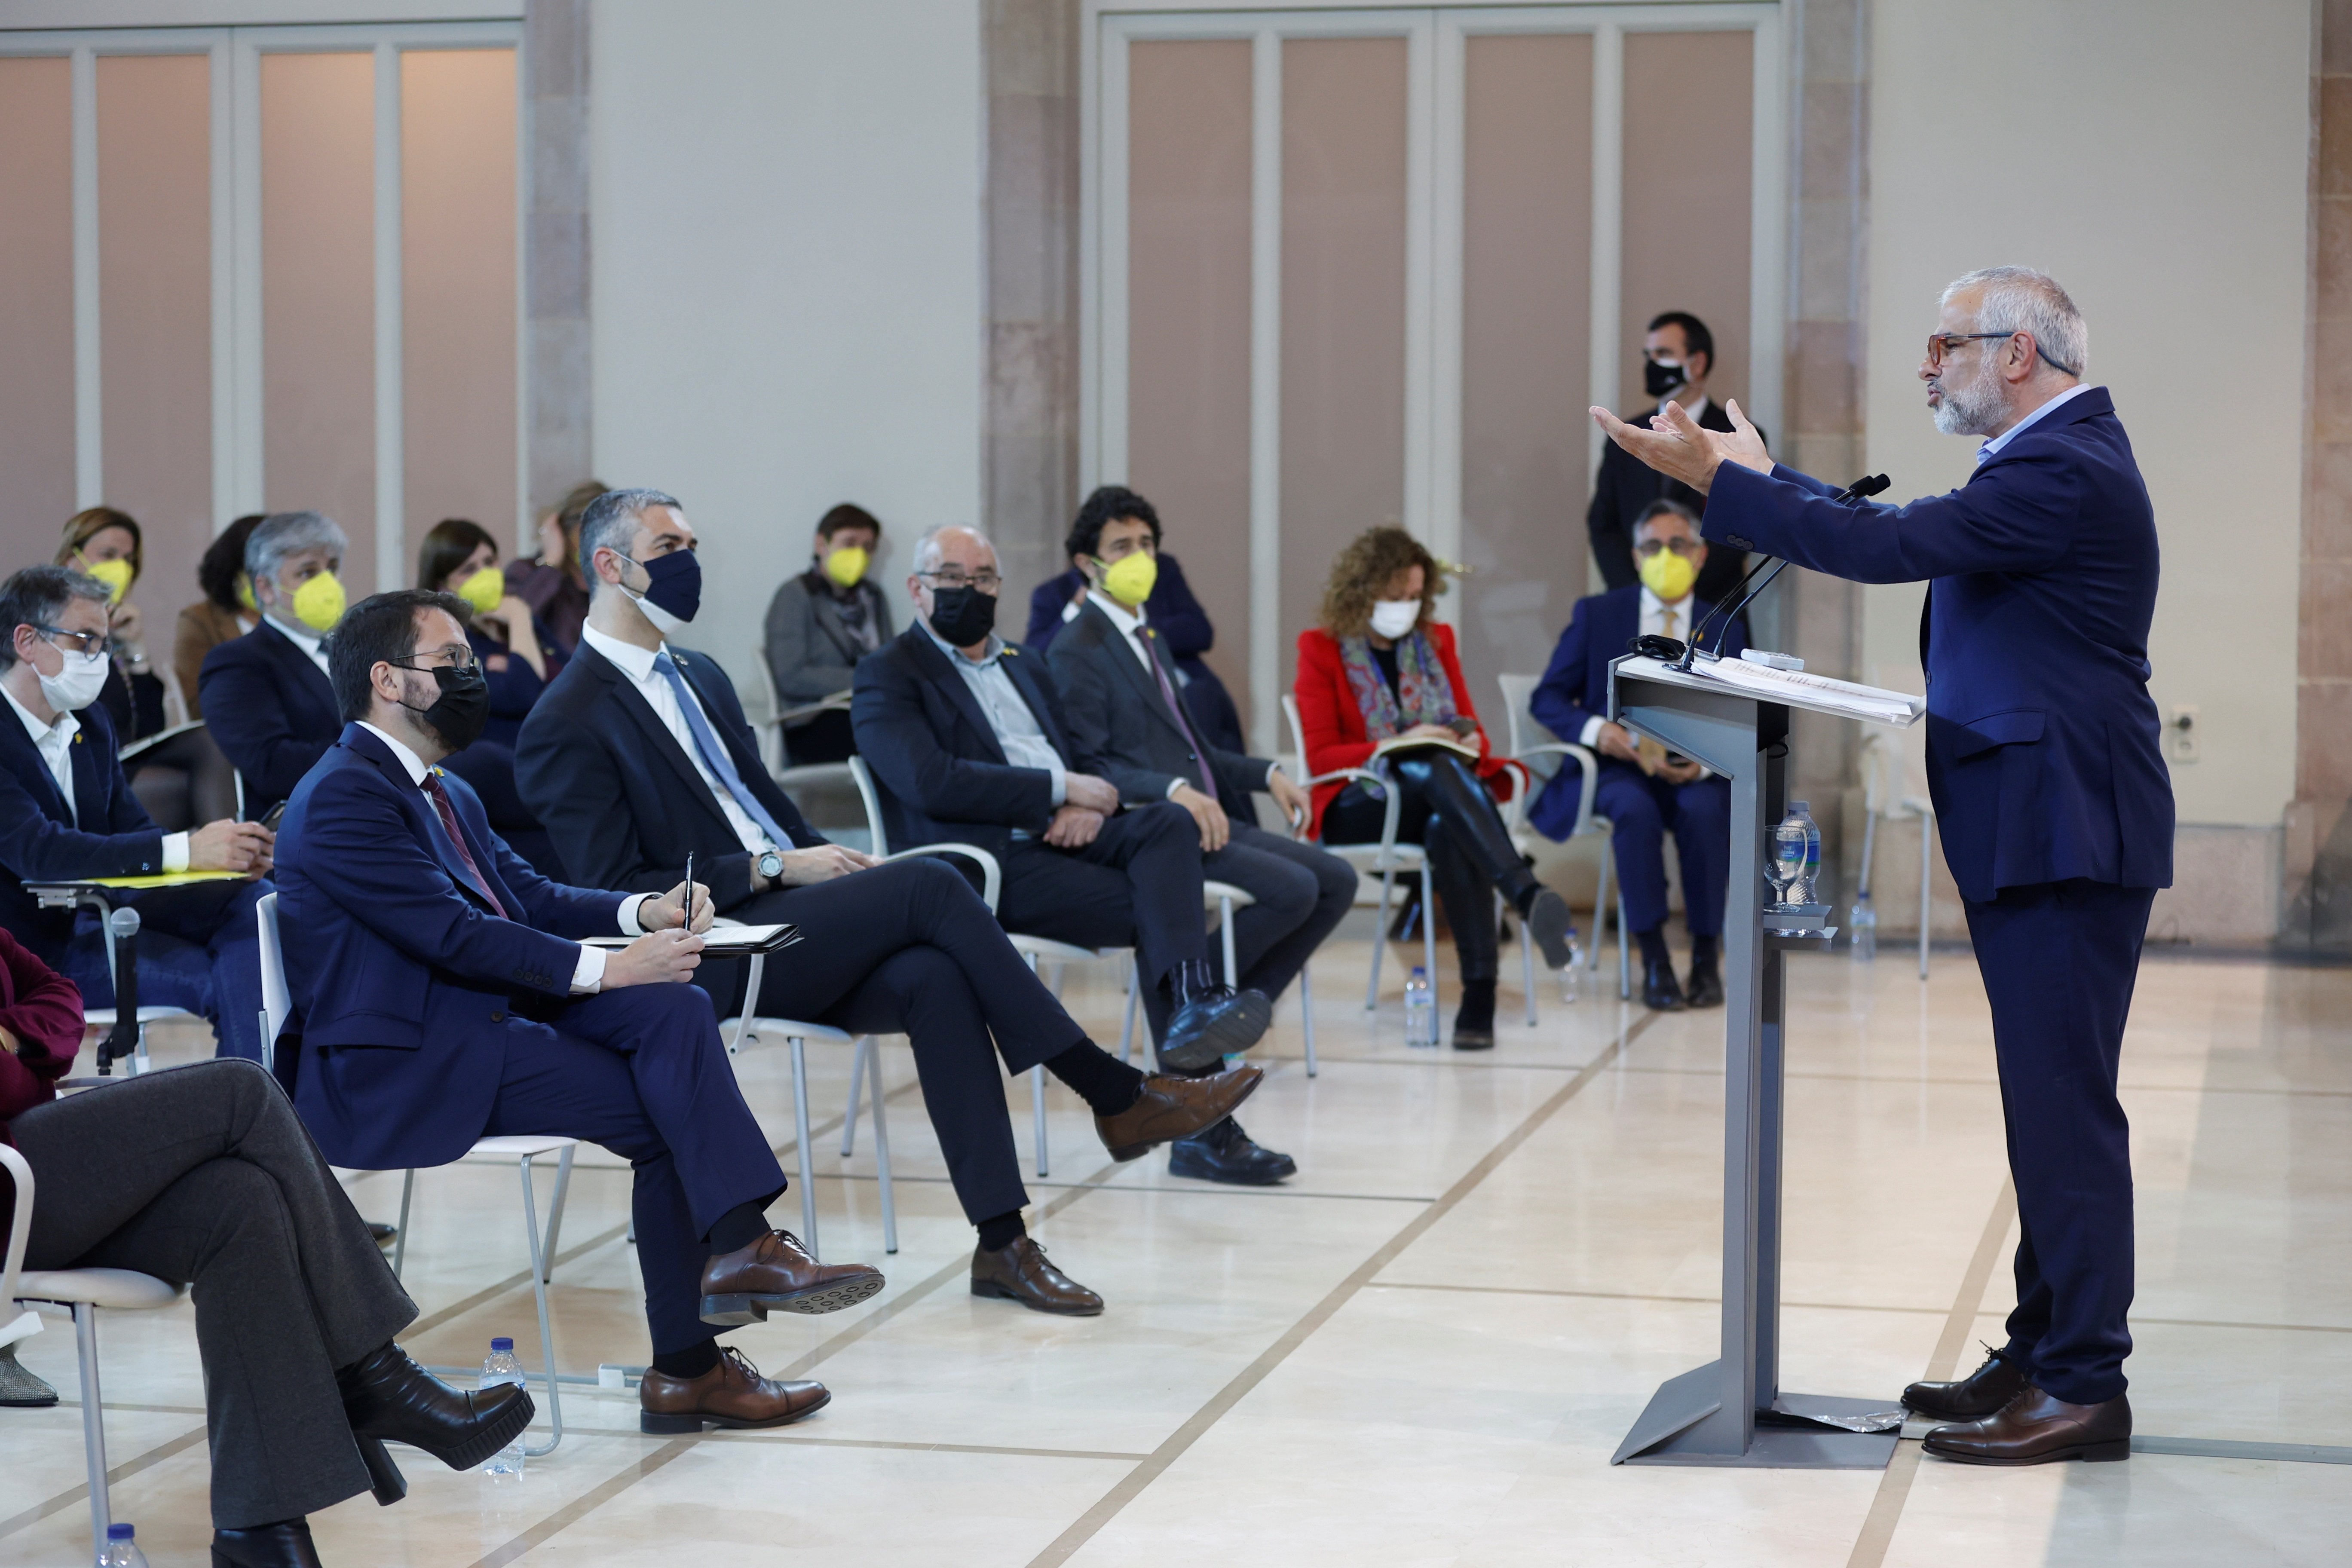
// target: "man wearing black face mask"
[[1677, 354]]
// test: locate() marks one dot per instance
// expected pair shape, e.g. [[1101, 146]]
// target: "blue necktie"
[[714, 755]]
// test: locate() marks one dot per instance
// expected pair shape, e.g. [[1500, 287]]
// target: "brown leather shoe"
[[731, 1394], [776, 1273], [2035, 1430], [1171, 1107], [1021, 1272], [1980, 1394]]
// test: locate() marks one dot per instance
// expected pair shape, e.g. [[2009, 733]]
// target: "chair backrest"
[[1518, 711], [1298, 729], [276, 1000], [772, 734], [871, 799], [13, 1325]]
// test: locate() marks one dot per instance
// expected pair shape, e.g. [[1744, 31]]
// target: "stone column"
[[558, 426]]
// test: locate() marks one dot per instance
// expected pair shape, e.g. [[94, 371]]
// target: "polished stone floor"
[[1424, 1348]]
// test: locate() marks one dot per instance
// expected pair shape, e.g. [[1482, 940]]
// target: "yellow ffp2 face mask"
[[1131, 578], [485, 590], [115, 574], [846, 566], [1668, 575], [318, 603]]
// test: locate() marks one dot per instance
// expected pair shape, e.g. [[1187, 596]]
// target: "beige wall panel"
[[36, 343], [1189, 321], [458, 280], [1689, 113], [1343, 264], [155, 256], [1527, 278], [318, 295]]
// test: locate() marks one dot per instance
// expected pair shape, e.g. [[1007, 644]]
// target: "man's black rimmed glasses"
[[986, 581], [80, 642], [458, 658]]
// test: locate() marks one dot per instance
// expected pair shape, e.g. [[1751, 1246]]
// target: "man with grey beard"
[[2051, 794]]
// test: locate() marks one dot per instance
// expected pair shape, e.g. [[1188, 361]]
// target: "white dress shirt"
[[1655, 611], [637, 664], [55, 743], [1018, 734], [588, 968], [310, 642], [2006, 437], [1130, 627]]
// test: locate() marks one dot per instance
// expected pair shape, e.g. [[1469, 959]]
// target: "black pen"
[[690, 892]]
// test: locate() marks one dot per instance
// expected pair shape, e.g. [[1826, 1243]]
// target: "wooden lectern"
[[1733, 717]]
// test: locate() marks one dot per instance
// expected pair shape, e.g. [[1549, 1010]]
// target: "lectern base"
[[1679, 1428]]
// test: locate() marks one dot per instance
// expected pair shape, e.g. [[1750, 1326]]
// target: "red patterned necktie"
[[465, 857]]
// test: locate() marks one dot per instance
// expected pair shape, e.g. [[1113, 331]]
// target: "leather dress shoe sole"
[[1240, 1025], [1553, 925], [1473, 1040], [990, 1290], [692, 1421], [752, 1307], [2096, 1453]]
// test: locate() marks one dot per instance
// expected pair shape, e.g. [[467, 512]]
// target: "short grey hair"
[[34, 596], [2020, 299], [285, 533], [928, 550], [610, 522]]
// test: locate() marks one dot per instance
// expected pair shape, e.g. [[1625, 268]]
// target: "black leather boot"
[[286, 1544], [1474, 1021], [388, 1397]]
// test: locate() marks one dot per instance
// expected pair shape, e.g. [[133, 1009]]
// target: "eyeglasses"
[[452, 658], [1684, 546], [1942, 343], [953, 577], [80, 642]]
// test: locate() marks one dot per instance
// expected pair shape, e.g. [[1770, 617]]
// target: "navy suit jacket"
[[270, 709], [39, 838], [1121, 725], [403, 978], [1575, 687], [942, 775], [2043, 742], [620, 797]]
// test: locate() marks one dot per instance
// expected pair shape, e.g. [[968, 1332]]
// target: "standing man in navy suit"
[[2051, 794], [442, 992], [1641, 805]]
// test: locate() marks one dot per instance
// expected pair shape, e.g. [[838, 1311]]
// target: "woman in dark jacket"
[[549, 582], [820, 624]]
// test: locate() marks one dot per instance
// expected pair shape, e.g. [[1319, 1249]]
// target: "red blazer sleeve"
[[43, 1009]]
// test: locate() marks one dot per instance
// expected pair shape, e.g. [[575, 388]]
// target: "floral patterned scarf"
[[1423, 694]]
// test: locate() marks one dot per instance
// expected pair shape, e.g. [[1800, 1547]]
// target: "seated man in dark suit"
[[443, 993], [66, 811], [1120, 704], [266, 695], [1183, 625], [638, 757], [1643, 798], [1676, 356]]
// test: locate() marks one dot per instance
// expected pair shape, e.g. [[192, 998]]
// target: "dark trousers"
[[1302, 892], [204, 1175], [199, 948], [824, 738], [489, 767], [1641, 810], [2059, 960], [641, 1071], [1447, 812], [908, 948], [1137, 885]]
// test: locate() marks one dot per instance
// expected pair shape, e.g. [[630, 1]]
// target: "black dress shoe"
[[383, 1235], [389, 1398], [1474, 1021], [1980, 1394], [1660, 992], [1706, 988], [1226, 1153], [286, 1544], [2036, 1428], [1216, 1023]]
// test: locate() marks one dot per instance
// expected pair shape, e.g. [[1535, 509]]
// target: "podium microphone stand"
[[1733, 717]]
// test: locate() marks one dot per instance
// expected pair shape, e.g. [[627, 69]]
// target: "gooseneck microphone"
[[1861, 490], [122, 1040]]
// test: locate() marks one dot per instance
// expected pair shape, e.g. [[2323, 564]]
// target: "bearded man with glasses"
[[2050, 794]]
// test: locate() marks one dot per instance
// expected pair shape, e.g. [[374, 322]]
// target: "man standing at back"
[[2051, 795], [1677, 356]]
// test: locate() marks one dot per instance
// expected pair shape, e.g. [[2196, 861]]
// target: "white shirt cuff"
[[1070, 612], [633, 914], [176, 852], [1173, 785], [1061, 776], [1590, 734], [588, 975]]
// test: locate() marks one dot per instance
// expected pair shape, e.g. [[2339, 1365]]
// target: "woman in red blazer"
[[1380, 666]]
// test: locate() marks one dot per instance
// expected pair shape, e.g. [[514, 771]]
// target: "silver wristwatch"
[[771, 865]]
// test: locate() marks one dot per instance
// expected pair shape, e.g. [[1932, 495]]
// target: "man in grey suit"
[[1125, 721], [820, 624]]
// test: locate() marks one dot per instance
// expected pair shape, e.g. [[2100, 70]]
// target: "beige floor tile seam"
[[898, 1446], [115, 1475], [2125, 1086], [1204, 1190], [1135, 1481], [1877, 1531]]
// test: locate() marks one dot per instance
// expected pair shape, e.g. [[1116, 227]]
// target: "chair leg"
[[1527, 966], [1307, 1012], [93, 1426], [1225, 932], [1926, 885], [399, 1230], [540, 1264], [856, 1083], [801, 1144], [1429, 926], [1134, 995], [1379, 939], [1600, 907], [873, 1053], [1037, 1104], [746, 1024], [555, 1209]]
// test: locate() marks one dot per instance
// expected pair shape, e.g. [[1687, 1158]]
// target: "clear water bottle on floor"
[[1420, 1009], [502, 1367], [1864, 919], [122, 1549]]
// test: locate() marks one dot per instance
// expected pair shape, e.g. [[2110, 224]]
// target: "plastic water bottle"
[[1420, 1009], [502, 1367], [1864, 924], [122, 1548], [1796, 855]]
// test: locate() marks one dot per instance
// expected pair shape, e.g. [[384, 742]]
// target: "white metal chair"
[[1225, 898], [780, 718], [1532, 752], [80, 1292], [1880, 753], [278, 1005], [1386, 857]]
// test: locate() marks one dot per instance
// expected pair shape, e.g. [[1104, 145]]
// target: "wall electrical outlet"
[[2181, 733]]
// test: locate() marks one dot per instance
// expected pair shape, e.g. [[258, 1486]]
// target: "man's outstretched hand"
[[1677, 447]]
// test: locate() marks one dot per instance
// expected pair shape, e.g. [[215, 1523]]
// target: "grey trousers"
[[204, 1175]]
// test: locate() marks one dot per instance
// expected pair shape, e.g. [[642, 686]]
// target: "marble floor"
[[1424, 1348]]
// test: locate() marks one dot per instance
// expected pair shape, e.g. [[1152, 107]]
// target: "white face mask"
[[76, 686], [1392, 618]]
